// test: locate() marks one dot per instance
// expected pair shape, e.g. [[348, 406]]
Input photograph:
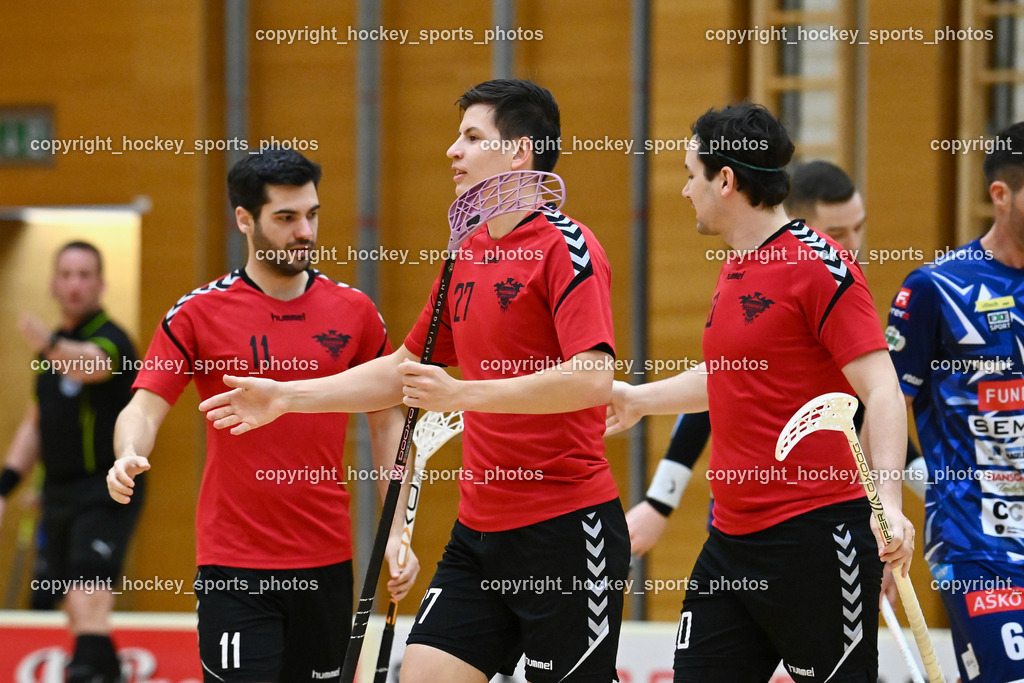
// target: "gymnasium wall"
[[135, 70], [148, 70]]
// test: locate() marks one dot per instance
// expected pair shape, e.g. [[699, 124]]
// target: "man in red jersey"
[[273, 534], [538, 556], [790, 570]]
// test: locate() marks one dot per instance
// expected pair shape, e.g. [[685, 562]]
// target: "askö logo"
[[754, 305], [506, 291], [333, 341]]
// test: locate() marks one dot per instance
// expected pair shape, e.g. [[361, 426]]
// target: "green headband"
[[751, 166]]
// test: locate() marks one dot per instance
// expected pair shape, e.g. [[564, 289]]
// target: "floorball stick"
[[834, 412], [431, 432], [901, 642], [500, 194]]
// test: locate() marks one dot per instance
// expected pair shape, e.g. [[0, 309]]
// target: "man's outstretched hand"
[[254, 402]]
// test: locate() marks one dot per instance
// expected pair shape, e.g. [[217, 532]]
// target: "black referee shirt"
[[76, 420]]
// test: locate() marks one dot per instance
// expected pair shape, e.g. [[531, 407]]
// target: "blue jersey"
[[956, 337]]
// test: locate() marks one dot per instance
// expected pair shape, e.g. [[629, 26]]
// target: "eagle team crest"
[[333, 341], [754, 305], [506, 291]]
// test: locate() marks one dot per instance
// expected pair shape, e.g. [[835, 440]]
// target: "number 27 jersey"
[[517, 305]]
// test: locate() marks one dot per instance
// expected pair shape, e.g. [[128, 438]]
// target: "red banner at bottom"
[[154, 648]]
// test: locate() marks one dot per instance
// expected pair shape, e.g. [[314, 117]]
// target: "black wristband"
[[662, 508], [9, 478]]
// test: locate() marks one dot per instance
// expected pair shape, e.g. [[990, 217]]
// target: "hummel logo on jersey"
[[333, 341], [287, 318], [754, 305], [825, 252], [506, 291], [735, 276], [548, 665], [221, 285]]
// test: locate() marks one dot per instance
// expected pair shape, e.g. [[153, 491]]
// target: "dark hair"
[[248, 179], [521, 108], [1006, 160], [84, 246], [749, 140], [817, 181]]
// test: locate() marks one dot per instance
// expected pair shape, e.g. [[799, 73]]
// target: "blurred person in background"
[[85, 370]]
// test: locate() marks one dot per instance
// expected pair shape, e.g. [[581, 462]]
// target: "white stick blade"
[[832, 411], [432, 431]]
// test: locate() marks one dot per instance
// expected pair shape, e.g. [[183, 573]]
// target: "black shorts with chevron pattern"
[[804, 591], [551, 591]]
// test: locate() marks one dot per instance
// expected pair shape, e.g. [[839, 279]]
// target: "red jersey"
[[275, 497], [517, 305], [785, 318]]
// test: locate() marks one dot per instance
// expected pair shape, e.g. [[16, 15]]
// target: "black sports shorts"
[[86, 532], [551, 591], [273, 624], [804, 591]]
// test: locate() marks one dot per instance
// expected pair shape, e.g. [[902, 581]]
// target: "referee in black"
[[84, 373]]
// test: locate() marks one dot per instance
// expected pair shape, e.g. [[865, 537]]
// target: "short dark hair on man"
[[817, 181], [248, 179], [749, 140], [83, 246], [1006, 160], [521, 108]]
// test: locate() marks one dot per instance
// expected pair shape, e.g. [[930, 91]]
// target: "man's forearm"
[[386, 429], [24, 450], [686, 392], [583, 381], [82, 361], [885, 436], [372, 386], [138, 423], [133, 434], [884, 433]]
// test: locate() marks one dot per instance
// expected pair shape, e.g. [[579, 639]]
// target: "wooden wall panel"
[[690, 75], [133, 70], [306, 93], [910, 187]]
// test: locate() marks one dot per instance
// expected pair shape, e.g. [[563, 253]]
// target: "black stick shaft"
[[387, 514], [387, 639], [388, 636]]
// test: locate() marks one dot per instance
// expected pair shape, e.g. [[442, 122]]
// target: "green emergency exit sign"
[[22, 130]]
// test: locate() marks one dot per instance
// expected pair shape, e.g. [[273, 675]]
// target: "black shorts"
[[273, 624], [804, 591], [551, 591], [86, 532]]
